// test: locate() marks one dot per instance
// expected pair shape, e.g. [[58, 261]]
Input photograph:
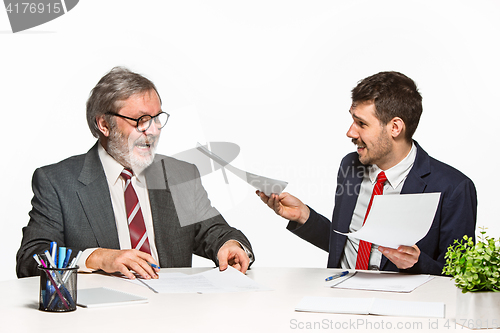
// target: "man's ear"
[[396, 127], [103, 125]]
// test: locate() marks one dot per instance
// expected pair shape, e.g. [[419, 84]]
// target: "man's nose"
[[153, 130], [352, 133]]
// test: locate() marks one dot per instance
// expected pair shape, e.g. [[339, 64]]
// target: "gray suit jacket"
[[72, 206]]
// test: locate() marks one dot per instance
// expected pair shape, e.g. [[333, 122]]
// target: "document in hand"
[[381, 281], [396, 220], [375, 306], [263, 184], [212, 281]]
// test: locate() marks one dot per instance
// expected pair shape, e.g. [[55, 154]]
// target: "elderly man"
[[124, 207], [386, 109]]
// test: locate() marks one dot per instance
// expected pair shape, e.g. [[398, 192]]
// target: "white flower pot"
[[478, 309]]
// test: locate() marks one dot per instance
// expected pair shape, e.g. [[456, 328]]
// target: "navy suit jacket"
[[455, 215]]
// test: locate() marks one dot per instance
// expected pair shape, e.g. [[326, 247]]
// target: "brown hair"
[[394, 95]]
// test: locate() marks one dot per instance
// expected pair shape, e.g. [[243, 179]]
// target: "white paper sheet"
[[396, 220], [263, 184], [212, 281], [394, 282], [375, 306], [101, 297]]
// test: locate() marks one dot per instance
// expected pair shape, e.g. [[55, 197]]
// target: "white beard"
[[122, 150]]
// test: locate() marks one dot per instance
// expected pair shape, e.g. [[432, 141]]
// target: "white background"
[[272, 76]]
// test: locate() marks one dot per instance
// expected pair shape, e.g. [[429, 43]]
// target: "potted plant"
[[476, 271]]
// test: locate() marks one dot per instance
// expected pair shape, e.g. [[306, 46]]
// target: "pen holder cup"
[[57, 289]]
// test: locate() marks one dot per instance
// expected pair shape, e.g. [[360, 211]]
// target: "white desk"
[[269, 311]]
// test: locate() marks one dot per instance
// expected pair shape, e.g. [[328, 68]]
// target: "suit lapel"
[[345, 202], [96, 201], [347, 209], [415, 182]]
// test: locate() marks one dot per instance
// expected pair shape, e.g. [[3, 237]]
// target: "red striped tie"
[[137, 228], [365, 247]]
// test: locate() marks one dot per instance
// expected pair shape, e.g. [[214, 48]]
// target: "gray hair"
[[112, 89]]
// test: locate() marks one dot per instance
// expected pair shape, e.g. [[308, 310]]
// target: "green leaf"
[[474, 267]]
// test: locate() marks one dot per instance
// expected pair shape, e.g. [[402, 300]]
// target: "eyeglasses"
[[144, 122]]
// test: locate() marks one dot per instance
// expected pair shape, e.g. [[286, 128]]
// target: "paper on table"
[[375, 306], [232, 280], [381, 281], [263, 184], [335, 305], [212, 281], [99, 297], [396, 220]]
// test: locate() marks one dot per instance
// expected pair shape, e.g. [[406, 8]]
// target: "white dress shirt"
[[396, 177], [116, 184]]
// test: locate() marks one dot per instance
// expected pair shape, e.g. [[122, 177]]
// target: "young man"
[[386, 109]]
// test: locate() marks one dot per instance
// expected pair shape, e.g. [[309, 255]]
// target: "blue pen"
[[66, 260], [153, 265], [53, 252], [61, 257], [344, 273]]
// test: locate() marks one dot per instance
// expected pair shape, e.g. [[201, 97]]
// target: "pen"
[[48, 286], [153, 265], [78, 255], [72, 265], [50, 259], [61, 257], [53, 253], [35, 256], [43, 263], [66, 260], [344, 273]]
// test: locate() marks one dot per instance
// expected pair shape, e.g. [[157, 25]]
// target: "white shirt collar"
[[397, 173]]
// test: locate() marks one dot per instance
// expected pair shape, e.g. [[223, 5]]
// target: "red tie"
[[137, 228], [365, 247]]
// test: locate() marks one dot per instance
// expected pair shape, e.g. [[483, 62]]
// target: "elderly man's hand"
[[123, 261], [232, 254], [404, 257]]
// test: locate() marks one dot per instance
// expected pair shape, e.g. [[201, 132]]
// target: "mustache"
[[358, 142], [149, 140]]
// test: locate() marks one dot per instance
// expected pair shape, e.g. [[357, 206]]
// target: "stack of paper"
[[375, 306]]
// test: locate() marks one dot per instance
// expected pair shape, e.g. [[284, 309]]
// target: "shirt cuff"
[[247, 251], [82, 267]]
